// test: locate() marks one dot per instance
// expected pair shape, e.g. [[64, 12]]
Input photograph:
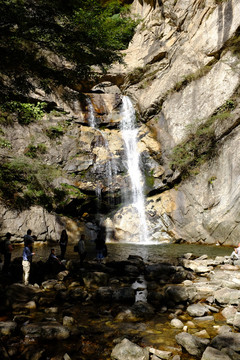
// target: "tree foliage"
[[83, 32]]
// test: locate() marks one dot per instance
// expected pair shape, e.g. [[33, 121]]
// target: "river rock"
[[159, 353], [68, 321], [236, 321], [227, 296], [7, 327], [142, 310], [178, 324], [224, 329], [124, 295], [227, 340], [95, 279], [196, 266], [211, 353], [126, 350], [49, 284], [104, 294], [197, 310], [192, 344], [176, 293], [45, 330]]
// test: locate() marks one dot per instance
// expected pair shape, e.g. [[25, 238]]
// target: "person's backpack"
[[2, 247]]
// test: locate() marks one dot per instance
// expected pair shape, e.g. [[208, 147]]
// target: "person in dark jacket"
[[63, 243], [7, 253], [81, 249]]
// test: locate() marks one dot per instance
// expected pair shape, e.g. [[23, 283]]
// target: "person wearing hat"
[[7, 253]]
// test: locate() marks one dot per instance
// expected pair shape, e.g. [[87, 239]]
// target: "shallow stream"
[[99, 326]]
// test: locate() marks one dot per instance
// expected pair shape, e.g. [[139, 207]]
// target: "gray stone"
[[95, 279], [227, 340], [126, 350], [197, 310], [211, 353], [177, 293], [48, 331], [192, 344], [177, 323], [124, 295], [227, 296]]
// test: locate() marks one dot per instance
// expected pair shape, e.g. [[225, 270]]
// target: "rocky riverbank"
[[123, 310]]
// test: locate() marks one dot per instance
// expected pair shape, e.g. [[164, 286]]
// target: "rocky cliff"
[[182, 72]]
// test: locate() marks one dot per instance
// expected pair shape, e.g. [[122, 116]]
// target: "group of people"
[[28, 252]]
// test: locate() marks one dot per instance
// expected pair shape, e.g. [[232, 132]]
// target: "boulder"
[[46, 330], [192, 344], [197, 310], [227, 340], [211, 353], [227, 296], [126, 350], [7, 328], [124, 295], [176, 293]]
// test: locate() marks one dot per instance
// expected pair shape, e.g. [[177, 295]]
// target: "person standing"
[[26, 262], [28, 238], [63, 243], [82, 249], [7, 252], [236, 253]]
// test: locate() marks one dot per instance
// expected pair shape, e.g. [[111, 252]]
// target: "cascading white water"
[[111, 168], [91, 118], [129, 134]]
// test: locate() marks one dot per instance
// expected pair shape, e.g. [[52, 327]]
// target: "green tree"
[[84, 32]]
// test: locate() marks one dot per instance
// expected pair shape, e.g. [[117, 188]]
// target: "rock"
[[68, 321], [236, 320], [227, 296], [126, 350], [204, 318], [192, 344], [229, 313], [62, 275], [224, 329], [177, 323], [49, 284], [124, 295], [227, 340], [31, 305], [51, 310], [210, 353], [196, 266], [197, 310], [45, 330], [203, 334], [159, 271], [142, 310], [176, 293], [95, 279], [104, 294], [159, 354], [7, 328]]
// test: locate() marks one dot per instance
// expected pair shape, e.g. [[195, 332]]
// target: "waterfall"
[[110, 167], [91, 119], [129, 133]]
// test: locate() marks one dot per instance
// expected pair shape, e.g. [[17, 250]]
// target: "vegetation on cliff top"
[[58, 40]]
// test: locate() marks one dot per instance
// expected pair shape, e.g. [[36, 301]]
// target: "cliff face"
[[188, 52], [182, 72]]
